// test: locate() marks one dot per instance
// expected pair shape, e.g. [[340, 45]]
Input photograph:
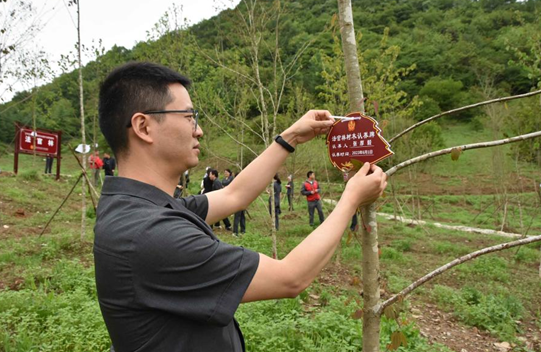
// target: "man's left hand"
[[312, 124]]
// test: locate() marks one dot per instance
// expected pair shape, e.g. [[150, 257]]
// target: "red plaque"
[[356, 137], [46, 143]]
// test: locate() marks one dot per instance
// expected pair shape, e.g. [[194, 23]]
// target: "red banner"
[[44, 142], [356, 137]]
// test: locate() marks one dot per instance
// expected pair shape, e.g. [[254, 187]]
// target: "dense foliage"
[[417, 57]]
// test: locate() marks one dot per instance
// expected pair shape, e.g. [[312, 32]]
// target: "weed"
[[495, 313], [490, 267], [526, 255], [402, 245], [30, 175]]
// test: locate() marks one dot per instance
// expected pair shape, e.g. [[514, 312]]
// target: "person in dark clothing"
[[109, 165], [164, 281], [182, 185], [311, 190], [207, 182], [48, 164], [290, 189], [277, 189], [239, 219], [354, 223], [217, 185], [228, 177]]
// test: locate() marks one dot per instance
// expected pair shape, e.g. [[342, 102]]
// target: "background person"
[[290, 186], [277, 188], [48, 164], [217, 185], [310, 189], [228, 177], [95, 164], [109, 165]]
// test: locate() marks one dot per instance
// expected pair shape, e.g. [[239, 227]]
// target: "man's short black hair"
[[309, 173], [214, 172], [131, 88]]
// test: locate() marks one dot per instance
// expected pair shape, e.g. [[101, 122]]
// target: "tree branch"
[[207, 117], [499, 100], [454, 263], [402, 165]]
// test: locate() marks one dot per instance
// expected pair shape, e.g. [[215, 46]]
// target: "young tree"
[[373, 308], [260, 69], [19, 25]]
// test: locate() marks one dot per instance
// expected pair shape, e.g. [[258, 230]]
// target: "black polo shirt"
[[164, 281]]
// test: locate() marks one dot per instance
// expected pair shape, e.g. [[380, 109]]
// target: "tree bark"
[[499, 100], [349, 46], [82, 110], [370, 279], [370, 262], [454, 263], [426, 156]]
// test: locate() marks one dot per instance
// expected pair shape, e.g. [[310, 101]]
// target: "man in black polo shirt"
[[164, 281]]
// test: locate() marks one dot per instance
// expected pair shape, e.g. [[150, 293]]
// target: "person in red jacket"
[[311, 190], [95, 164]]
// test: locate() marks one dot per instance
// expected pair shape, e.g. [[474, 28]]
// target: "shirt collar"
[[127, 186]]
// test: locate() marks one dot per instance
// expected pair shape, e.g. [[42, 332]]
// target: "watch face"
[[356, 140]]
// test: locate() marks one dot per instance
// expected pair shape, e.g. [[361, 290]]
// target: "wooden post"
[[59, 155]]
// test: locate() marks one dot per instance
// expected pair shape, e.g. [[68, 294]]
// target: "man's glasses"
[[194, 115]]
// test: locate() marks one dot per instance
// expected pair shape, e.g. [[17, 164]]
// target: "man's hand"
[[366, 186], [312, 124]]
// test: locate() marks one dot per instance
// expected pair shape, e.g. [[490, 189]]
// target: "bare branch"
[[221, 106], [454, 263], [415, 160], [207, 117], [499, 100]]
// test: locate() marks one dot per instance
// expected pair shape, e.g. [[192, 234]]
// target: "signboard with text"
[[40, 142], [356, 137], [43, 142]]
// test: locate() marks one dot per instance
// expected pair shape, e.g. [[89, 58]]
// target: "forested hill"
[[418, 57]]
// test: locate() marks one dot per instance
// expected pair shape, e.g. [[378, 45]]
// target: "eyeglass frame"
[[194, 112]]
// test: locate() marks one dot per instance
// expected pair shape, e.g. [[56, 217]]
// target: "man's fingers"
[[365, 169], [322, 115]]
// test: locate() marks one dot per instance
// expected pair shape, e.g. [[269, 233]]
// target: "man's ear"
[[141, 126]]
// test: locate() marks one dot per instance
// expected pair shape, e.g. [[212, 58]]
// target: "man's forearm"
[[306, 260], [258, 174]]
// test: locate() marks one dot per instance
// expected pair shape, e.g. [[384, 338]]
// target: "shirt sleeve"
[[182, 270], [197, 204], [304, 191]]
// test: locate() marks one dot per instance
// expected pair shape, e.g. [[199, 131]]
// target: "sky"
[[120, 22]]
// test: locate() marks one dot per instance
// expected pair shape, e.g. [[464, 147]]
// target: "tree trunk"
[[349, 46], [370, 264], [82, 109], [370, 279]]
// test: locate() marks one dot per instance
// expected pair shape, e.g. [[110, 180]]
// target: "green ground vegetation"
[[48, 299]]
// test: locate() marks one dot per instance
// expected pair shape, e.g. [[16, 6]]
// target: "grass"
[[48, 299]]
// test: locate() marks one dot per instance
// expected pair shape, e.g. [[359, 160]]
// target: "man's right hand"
[[366, 186]]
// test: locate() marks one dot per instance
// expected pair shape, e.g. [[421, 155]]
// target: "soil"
[[440, 185], [434, 324]]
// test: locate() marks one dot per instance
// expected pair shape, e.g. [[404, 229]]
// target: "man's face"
[[212, 177], [177, 140], [313, 176]]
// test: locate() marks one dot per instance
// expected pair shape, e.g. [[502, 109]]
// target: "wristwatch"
[[278, 139]]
